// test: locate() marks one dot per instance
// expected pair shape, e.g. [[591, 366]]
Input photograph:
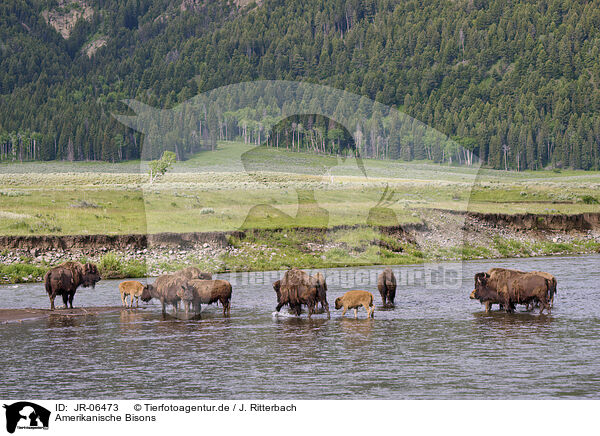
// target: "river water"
[[435, 344]]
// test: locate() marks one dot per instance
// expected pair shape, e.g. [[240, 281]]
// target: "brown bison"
[[322, 292], [65, 278], [509, 288], [514, 272], [169, 289], [297, 288], [355, 299], [211, 291], [386, 283], [191, 273]]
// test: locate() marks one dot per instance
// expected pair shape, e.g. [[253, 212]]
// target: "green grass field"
[[239, 186]]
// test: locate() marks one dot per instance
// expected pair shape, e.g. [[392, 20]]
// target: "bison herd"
[[191, 288]]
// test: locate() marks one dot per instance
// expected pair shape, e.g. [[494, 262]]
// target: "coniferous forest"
[[514, 83]]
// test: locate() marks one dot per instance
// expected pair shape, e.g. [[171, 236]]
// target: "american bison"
[[297, 288], [509, 288], [513, 272], [355, 299], [322, 292], [386, 283], [65, 278], [192, 273], [211, 291], [169, 289], [132, 288]]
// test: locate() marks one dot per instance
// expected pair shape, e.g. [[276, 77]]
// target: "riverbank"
[[439, 236]]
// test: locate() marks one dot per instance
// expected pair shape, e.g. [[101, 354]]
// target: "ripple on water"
[[434, 344]]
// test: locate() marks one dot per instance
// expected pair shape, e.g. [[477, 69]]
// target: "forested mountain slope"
[[516, 82]]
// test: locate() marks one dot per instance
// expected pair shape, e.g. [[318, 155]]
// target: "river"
[[435, 344]]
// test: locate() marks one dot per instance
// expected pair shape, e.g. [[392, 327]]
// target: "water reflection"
[[62, 321], [433, 344]]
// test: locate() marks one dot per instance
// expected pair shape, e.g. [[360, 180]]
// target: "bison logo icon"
[[26, 415]]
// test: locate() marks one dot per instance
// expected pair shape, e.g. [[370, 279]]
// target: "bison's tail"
[[551, 284], [47, 282]]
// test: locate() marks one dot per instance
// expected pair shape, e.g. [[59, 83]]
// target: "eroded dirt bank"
[[441, 235]]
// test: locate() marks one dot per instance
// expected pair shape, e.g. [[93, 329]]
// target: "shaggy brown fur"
[[211, 291], [169, 289], [64, 280], [132, 288], [192, 273], [322, 292], [297, 288], [551, 282], [386, 283], [508, 288], [355, 299]]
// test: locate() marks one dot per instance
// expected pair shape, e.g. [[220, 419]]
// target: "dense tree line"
[[514, 83]]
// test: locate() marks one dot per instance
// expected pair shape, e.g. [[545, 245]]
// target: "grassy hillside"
[[212, 191]]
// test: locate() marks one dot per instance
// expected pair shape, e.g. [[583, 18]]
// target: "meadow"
[[239, 186]]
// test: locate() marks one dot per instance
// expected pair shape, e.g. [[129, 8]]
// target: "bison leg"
[[71, 295], [355, 313], [52, 297], [278, 307], [123, 299], [488, 307], [344, 311], [65, 298]]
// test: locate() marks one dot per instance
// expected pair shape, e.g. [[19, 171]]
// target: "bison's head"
[[90, 275], [338, 303], [186, 293], [482, 290], [146, 295]]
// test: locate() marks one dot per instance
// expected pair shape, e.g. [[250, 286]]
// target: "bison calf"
[[355, 299], [132, 288]]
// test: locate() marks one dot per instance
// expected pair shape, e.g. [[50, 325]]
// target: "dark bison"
[[508, 288], [322, 292], [65, 278], [191, 273], [169, 289], [297, 288], [386, 283], [211, 291], [514, 272]]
